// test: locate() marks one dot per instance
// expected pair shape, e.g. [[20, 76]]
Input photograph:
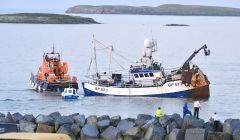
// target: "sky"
[[62, 5]]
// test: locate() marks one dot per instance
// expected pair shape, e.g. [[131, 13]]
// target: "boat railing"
[[139, 83], [116, 85]]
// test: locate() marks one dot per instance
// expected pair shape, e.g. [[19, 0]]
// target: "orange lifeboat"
[[53, 74]]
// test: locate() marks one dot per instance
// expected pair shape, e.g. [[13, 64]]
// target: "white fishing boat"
[[149, 78], [70, 94]]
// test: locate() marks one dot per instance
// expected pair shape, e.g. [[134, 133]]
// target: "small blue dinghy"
[[70, 94]]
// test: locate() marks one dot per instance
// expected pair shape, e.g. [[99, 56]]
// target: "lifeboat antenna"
[[61, 55], [53, 49]]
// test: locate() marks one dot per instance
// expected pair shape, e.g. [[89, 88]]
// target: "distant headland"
[[44, 18], [176, 24], [167, 9]]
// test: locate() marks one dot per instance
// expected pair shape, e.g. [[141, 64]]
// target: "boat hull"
[[55, 88], [70, 97], [174, 89]]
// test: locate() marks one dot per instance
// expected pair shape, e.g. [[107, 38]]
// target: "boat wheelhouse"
[[70, 94]]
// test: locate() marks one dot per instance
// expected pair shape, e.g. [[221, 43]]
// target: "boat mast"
[[110, 59], [150, 55], [95, 60], [153, 49]]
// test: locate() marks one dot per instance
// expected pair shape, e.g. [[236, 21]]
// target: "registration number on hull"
[[175, 84], [101, 89]]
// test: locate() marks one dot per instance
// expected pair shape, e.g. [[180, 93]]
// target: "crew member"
[[196, 106], [186, 110], [46, 76], [159, 113]]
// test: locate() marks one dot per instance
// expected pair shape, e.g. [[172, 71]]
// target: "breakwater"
[[143, 127]]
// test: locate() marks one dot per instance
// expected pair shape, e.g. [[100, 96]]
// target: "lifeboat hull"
[[55, 88]]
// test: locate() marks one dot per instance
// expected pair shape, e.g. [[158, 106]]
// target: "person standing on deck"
[[196, 106], [186, 110], [159, 113]]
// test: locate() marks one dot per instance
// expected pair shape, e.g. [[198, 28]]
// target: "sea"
[[22, 47]]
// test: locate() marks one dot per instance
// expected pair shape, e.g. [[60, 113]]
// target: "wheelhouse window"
[[146, 75], [151, 74], [141, 75], [70, 91], [136, 75]]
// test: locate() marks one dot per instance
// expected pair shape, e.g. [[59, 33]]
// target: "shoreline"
[[143, 126]]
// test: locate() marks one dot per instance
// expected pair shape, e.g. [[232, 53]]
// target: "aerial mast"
[[53, 49], [61, 55]]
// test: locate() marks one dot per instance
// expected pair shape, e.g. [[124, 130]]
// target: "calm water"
[[22, 45]]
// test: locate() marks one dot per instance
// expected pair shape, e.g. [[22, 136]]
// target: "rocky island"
[[174, 24], [143, 127], [167, 9], [44, 18]]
